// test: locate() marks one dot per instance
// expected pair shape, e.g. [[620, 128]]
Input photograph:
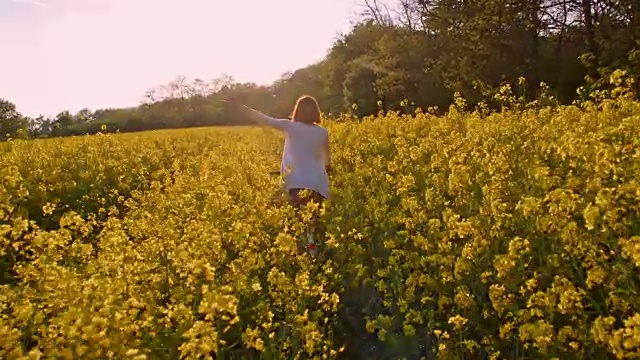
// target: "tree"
[[342, 60], [40, 126], [12, 123], [360, 92], [83, 116]]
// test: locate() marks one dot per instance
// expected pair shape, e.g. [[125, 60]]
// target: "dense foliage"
[[478, 234]]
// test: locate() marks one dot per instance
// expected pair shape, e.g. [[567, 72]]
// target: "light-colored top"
[[305, 156]]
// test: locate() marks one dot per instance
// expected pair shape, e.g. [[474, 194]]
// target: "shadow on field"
[[361, 344]]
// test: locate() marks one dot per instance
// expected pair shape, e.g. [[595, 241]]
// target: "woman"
[[306, 159]]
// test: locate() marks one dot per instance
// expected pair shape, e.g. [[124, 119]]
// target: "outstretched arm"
[[260, 118]]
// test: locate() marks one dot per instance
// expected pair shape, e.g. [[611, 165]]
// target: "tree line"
[[402, 56]]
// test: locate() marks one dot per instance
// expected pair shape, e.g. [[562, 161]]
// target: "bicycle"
[[311, 236]]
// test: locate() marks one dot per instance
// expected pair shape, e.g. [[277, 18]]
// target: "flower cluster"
[[507, 235]]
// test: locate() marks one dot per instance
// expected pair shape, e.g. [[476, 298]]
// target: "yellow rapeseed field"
[[507, 236]]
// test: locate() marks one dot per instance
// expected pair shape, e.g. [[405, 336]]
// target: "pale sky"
[[70, 54]]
